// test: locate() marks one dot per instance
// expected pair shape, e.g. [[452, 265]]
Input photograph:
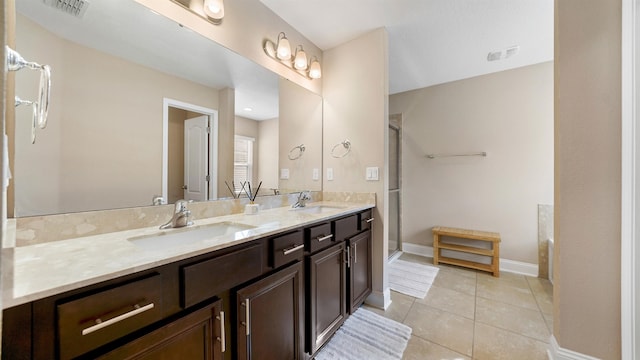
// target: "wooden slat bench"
[[494, 252]]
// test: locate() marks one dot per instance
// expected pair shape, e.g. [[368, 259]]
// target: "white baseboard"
[[507, 265], [381, 300], [555, 352]]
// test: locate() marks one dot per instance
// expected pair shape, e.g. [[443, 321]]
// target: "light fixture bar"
[[281, 51]]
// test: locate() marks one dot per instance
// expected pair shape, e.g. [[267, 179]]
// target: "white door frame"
[[213, 142], [630, 250]]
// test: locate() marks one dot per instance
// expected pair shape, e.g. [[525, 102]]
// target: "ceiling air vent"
[[76, 8], [494, 55]]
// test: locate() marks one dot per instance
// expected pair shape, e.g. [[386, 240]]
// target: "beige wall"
[[103, 145], [226, 133], [268, 149], [507, 114], [355, 108], [587, 177], [300, 122], [245, 26]]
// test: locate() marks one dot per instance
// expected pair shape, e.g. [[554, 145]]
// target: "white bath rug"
[[366, 335], [411, 278]]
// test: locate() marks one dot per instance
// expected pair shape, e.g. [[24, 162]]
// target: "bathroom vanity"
[[275, 288]]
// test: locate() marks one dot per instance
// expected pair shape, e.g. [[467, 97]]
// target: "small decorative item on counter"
[[251, 208]]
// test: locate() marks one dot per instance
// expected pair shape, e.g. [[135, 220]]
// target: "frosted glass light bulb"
[[214, 8], [314, 70], [300, 61], [284, 49]]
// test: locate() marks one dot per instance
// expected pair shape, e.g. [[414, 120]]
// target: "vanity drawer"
[[318, 237], [366, 219], [345, 227], [287, 248], [94, 320], [208, 278]]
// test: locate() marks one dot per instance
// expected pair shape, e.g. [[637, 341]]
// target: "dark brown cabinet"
[[270, 316], [197, 335], [284, 296], [326, 295], [359, 265]]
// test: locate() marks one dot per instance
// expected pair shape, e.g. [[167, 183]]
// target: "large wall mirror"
[[124, 82]]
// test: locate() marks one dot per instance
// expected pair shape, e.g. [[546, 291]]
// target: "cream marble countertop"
[[52, 268]]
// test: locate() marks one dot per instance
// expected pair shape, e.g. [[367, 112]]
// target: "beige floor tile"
[[543, 292], [450, 300], [506, 278], [420, 349], [548, 318], [469, 273], [443, 328], [507, 292], [454, 281], [491, 343], [509, 317], [400, 305]]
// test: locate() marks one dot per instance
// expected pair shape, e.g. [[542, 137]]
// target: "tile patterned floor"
[[473, 315]]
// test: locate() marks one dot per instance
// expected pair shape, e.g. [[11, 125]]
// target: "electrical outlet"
[[284, 174], [316, 174], [330, 174]]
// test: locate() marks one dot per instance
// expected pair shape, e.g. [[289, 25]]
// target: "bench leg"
[[436, 250], [496, 259]]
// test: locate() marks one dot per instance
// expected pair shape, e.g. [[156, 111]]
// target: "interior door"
[[196, 158]]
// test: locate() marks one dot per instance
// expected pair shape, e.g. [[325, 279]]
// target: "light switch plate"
[[372, 174], [329, 174], [316, 174], [284, 174]]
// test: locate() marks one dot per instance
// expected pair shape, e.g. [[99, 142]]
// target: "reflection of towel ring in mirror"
[[346, 144], [300, 149]]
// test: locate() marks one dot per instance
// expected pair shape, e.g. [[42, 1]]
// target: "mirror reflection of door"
[[196, 149]]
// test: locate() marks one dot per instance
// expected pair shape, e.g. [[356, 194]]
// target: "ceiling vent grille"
[[75, 8]]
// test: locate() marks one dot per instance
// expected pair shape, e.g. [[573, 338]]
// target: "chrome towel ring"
[[300, 150], [345, 144]]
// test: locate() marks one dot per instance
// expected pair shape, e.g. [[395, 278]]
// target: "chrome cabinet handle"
[[346, 249], [222, 338], [247, 305], [323, 238], [293, 249], [355, 253], [369, 220], [100, 324]]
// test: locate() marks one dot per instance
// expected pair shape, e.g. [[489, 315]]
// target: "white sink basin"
[[188, 235], [319, 209]]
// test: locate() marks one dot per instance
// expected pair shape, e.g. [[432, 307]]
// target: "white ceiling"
[[431, 41]]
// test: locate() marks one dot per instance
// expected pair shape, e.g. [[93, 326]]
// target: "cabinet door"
[[359, 269], [269, 316], [327, 297], [198, 335]]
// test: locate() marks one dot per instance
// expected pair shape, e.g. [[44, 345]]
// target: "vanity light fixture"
[[281, 51], [214, 9]]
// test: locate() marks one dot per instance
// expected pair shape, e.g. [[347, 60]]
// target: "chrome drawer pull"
[[103, 324], [222, 337], [369, 220], [323, 238], [355, 253], [247, 314], [293, 249]]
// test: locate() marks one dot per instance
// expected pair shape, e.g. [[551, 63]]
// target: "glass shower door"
[[394, 186]]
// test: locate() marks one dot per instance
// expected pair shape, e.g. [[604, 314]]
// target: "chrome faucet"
[[303, 197], [181, 216]]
